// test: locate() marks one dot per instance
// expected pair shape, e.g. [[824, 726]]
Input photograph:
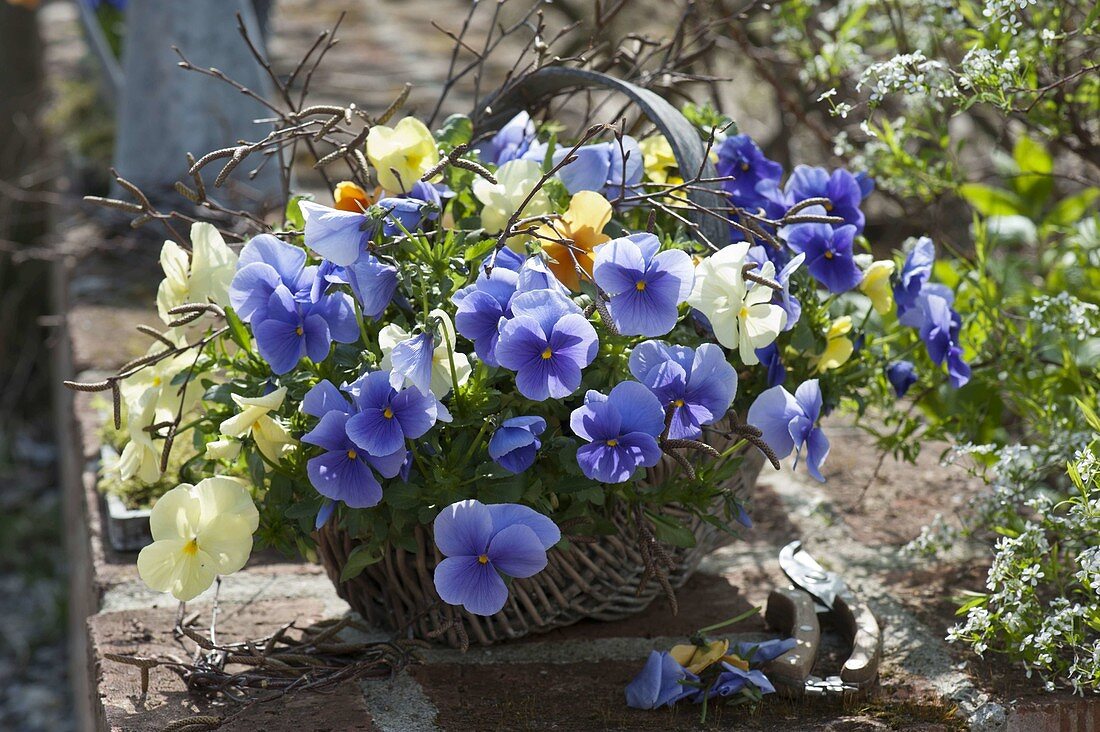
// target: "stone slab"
[[147, 632]]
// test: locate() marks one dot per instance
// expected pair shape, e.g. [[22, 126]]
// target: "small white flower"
[[741, 318], [515, 180]]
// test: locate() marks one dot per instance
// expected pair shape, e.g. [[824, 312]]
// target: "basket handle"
[[687, 146]]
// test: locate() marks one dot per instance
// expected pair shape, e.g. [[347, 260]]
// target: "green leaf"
[[670, 532], [237, 331], [456, 130], [990, 201], [360, 558], [1034, 184], [294, 218], [1072, 209]]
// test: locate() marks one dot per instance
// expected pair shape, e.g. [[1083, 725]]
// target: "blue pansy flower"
[[902, 375], [915, 273], [603, 168], [646, 286], [788, 422], [511, 142], [515, 444], [841, 188], [661, 682], [374, 283], [732, 680], [741, 160], [699, 384], [345, 472], [387, 416], [323, 398], [291, 330], [480, 307], [535, 274], [481, 544], [547, 342], [621, 430], [341, 237], [939, 330], [829, 256], [264, 264], [757, 654]]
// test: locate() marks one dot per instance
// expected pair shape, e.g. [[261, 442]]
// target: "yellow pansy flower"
[[583, 224], [659, 160], [202, 277], [401, 154], [254, 420], [348, 196], [876, 285], [199, 531], [697, 658], [839, 347]]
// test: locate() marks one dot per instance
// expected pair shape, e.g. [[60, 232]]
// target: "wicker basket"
[[590, 580]]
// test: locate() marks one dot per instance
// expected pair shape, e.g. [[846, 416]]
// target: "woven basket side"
[[591, 580]]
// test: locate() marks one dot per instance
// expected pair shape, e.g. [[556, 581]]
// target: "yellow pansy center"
[[678, 403], [352, 454], [829, 206], [483, 559], [156, 381], [612, 442], [191, 548], [299, 330], [745, 167], [829, 254], [547, 354], [640, 285], [387, 413], [744, 312]]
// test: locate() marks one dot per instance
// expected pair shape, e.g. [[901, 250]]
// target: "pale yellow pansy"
[[141, 456], [401, 154], [224, 448], [876, 285], [255, 421], [742, 318], [202, 277], [839, 346], [199, 531], [698, 658], [515, 180], [442, 381], [583, 225], [158, 377], [658, 159]]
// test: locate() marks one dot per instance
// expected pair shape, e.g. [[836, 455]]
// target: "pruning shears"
[[815, 592]]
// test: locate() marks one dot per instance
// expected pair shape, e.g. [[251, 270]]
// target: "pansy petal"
[[372, 431], [517, 551], [463, 528], [339, 476], [508, 514], [476, 586]]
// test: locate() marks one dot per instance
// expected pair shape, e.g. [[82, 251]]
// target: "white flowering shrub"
[[1042, 599], [990, 105]]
